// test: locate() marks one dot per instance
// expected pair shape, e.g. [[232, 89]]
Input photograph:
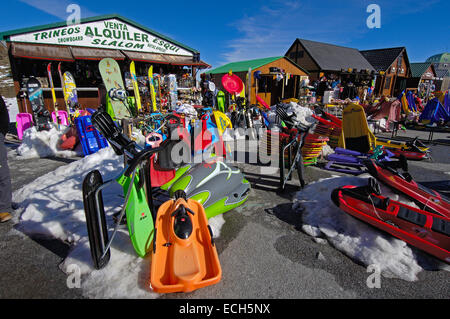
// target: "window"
[[387, 84], [399, 62]]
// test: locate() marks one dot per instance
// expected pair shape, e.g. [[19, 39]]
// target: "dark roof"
[[330, 57], [6, 35], [441, 73], [418, 69], [382, 59]]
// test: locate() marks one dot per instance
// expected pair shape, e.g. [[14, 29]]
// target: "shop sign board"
[[106, 34]]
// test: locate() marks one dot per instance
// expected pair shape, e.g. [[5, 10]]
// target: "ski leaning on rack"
[[134, 80], [52, 87]]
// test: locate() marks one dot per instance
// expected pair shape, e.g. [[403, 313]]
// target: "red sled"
[[426, 231], [403, 183]]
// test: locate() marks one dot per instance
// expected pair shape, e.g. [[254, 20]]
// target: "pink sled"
[[64, 117], [24, 121]]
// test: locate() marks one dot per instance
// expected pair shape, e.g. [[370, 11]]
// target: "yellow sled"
[[356, 134]]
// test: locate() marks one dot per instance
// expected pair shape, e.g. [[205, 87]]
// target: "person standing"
[[5, 177]]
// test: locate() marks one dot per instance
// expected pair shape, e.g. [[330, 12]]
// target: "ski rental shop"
[[336, 72], [79, 48], [272, 79]]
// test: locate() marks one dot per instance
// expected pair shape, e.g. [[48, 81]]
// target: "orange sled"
[[184, 256]]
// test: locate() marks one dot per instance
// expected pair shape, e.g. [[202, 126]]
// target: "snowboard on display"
[[135, 82], [70, 90], [115, 88], [40, 113], [152, 88]]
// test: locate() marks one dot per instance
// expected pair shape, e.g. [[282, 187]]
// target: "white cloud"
[[57, 8], [272, 30]]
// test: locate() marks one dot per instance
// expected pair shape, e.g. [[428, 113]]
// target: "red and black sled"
[[426, 231], [402, 182]]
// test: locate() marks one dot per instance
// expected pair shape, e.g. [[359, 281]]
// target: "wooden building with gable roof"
[[393, 67]]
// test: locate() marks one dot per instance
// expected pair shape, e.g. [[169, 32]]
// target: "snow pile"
[[52, 206], [358, 240], [44, 144], [13, 108]]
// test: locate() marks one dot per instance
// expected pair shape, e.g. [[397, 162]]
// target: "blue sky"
[[235, 30]]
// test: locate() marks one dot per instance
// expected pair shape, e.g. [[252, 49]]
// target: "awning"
[[95, 54], [147, 57], [175, 60], [180, 60], [44, 52], [202, 65]]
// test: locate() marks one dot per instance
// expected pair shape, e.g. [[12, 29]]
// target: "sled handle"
[[140, 157]]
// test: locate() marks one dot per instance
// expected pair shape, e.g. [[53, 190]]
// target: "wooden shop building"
[[393, 67], [273, 79], [343, 65], [423, 76]]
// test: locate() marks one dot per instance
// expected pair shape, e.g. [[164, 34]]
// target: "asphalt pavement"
[[263, 252]]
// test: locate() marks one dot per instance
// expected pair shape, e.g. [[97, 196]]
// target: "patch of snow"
[[52, 206], [44, 144], [358, 240]]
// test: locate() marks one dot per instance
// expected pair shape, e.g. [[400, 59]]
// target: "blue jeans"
[[5, 179]]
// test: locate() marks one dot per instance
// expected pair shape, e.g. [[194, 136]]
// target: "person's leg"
[[5, 183]]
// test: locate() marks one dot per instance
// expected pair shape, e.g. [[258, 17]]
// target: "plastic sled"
[[91, 140], [24, 122], [426, 231], [184, 255], [63, 116], [69, 140]]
